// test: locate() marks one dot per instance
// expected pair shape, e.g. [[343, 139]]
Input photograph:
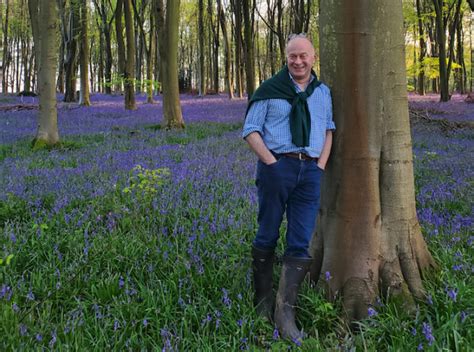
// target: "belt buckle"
[[300, 156]]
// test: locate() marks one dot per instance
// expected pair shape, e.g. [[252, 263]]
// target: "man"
[[289, 127]]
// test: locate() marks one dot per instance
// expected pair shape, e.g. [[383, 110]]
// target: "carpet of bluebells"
[[128, 236]]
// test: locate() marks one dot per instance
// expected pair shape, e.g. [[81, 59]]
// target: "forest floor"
[[457, 109], [128, 236]]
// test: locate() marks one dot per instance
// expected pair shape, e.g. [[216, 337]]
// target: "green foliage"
[[146, 182], [13, 208]]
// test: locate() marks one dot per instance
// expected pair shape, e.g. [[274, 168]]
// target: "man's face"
[[300, 58]]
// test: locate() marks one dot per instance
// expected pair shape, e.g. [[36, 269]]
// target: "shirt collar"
[[298, 89]]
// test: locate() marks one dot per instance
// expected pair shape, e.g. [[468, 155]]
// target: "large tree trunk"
[[368, 239], [43, 14], [167, 25], [84, 57]]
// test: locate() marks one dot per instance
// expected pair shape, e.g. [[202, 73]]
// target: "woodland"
[[128, 200]]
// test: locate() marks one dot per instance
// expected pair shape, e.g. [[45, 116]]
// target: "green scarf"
[[281, 86]]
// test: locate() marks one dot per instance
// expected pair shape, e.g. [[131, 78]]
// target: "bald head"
[[299, 40], [300, 57]]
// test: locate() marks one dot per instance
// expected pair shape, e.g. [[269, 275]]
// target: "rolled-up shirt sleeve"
[[255, 118], [330, 125]]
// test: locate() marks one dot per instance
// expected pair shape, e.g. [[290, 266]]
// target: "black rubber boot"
[[293, 273], [262, 266]]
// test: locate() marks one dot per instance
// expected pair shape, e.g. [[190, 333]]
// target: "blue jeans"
[[293, 186]]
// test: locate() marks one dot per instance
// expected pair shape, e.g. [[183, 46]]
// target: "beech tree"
[[43, 15], [167, 26], [368, 240]]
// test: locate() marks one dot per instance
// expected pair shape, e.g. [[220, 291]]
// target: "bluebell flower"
[[428, 333], [276, 334], [23, 330], [372, 312]]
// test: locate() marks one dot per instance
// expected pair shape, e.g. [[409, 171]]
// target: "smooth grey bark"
[[368, 238], [43, 15], [167, 26]]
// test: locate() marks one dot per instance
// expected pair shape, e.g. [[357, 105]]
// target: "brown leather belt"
[[300, 156]]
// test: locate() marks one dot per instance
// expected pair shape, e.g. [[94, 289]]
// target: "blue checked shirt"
[[271, 118]]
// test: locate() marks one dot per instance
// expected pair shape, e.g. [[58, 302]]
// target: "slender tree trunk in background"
[[249, 48], [121, 59], [60, 81], [368, 237], [271, 37], [281, 36], [6, 49], [471, 30], [43, 14], [25, 62], [106, 29], [228, 51], [151, 53], [71, 46], [460, 73], [93, 67], [130, 61], [237, 9], [431, 33], [167, 25], [202, 66], [215, 42], [1, 39], [452, 37], [100, 77], [84, 98], [421, 73], [140, 43], [299, 17], [441, 40], [157, 60], [17, 66]]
